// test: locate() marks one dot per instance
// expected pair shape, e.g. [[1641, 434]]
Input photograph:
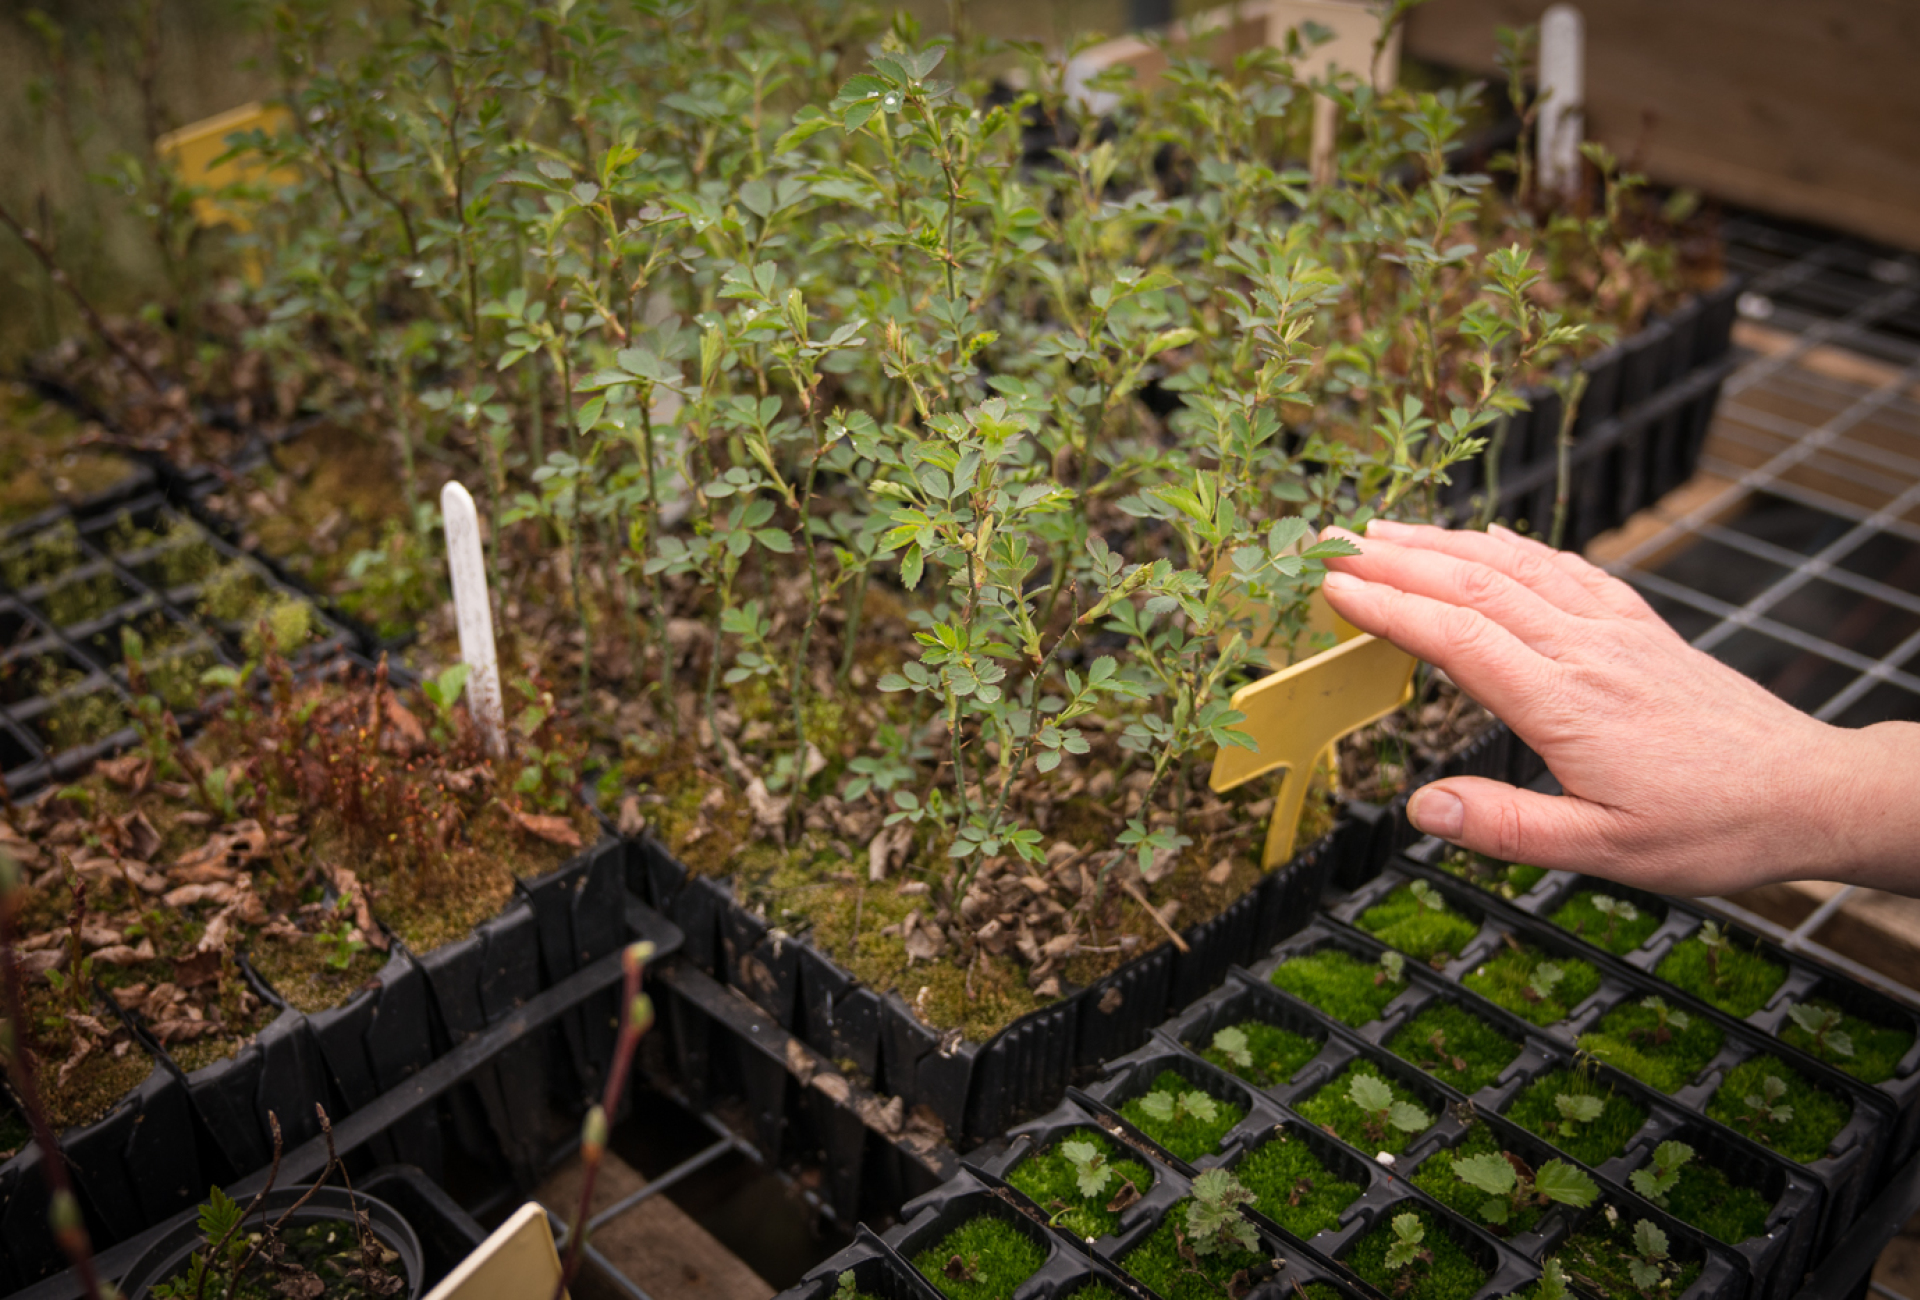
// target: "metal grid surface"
[[1795, 556]]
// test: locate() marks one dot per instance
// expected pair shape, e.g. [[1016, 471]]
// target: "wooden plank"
[[1806, 110]]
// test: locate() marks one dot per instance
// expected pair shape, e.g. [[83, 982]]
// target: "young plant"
[[1170, 1107], [1662, 1174], [1231, 1043], [1618, 911], [1554, 1284], [1648, 1262], [1713, 937], [1513, 1188], [1765, 1108], [1091, 1172], [1214, 1222], [1427, 896], [443, 692], [342, 941], [1383, 1111], [1546, 977], [1393, 968], [1823, 1023], [1576, 1109], [1407, 1248], [1668, 1020]]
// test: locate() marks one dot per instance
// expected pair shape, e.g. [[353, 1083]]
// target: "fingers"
[[1528, 563], [1542, 625], [1553, 831], [1489, 662]]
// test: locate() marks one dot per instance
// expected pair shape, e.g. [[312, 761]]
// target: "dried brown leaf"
[[552, 829]]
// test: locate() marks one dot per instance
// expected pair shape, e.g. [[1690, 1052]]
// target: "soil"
[[1165, 1262], [1592, 1142], [1630, 1038], [1579, 916], [1186, 1135], [1454, 1046], [1293, 1188], [985, 1258], [1509, 980], [1436, 1178], [1333, 1110], [1352, 991], [1270, 1057], [1431, 934], [1450, 1274], [1596, 1260], [1048, 1178], [1738, 980], [1818, 1115], [1877, 1049]]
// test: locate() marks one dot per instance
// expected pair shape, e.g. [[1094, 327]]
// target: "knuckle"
[[1478, 584], [1508, 832]]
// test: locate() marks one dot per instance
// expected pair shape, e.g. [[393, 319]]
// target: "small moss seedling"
[[1393, 969], [1649, 1262], [1577, 1109], [1260, 1053], [1512, 1188], [1766, 1107], [1618, 911], [1231, 1043], [1214, 1222], [1778, 1106], [1091, 1172], [1660, 1176], [1666, 1021], [1172, 1107], [1183, 1119], [1376, 1100], [1823, 1025]]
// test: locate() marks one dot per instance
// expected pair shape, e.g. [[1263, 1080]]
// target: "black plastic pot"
[[170, 1255]]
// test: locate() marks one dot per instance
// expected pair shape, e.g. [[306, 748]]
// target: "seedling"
[[1545, 979], [1577, 1108], [1232, 1043], [341, 941], [1766, 1107], [1383, 1111], [1427, 896], [844, 1287], [1442, 1057], [1648, 1261], [1553, 1282], [443, 692], [1669, 1019], [1714, 939], [1618, 911], [1824, 1024], [1407, 1249], [1659, 1177], [1214, 1221], [1169, 1107], [1393, 969], [1091, 1172], [1512, 1188]]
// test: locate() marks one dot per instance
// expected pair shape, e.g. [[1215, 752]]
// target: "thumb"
[[1491, 817]]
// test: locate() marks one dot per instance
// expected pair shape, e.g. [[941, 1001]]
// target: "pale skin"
[[1681, 775]]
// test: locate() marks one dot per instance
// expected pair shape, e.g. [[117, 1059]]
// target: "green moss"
[[1188, 1136], [1739, 981], [1321, 1291], [1436, 1178], [1593, 1142], [83, 598], [1452, 1274], [1348, 989], [1817, 1114], [45, 555], [1709, 1200], [1047, 1176], [1403, 921], [1293, 1188], [1508, 880], [1508, 980], [1627, 1038], [1877, 1050], [983, 1259], [1275, 1053], [1157, 1261], [1454, 1046], [1094, 1290], [1332, 1109], [1579, 916], [1596, 1258]]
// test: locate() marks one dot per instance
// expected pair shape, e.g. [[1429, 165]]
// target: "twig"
[[1132, 890], [258, 1203], [57, 274]]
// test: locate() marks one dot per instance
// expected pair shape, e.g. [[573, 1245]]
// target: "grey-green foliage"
[[1214, 1221], [1511, 1187], [1824, 1024], [730, 298], [1661, 1173]]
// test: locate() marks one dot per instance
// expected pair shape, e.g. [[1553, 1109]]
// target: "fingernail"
[[1388, 528], [1339, 581], [1437, 812]]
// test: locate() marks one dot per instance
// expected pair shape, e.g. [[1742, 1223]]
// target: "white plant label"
[[467, 566], [1563, 97]]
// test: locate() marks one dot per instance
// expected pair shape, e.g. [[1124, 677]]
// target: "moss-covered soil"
[[983, 1259], [1738, 980], [1513, 980], [1271, 1056], [1162, 1262], [47, 456], [1405, 921], [1048, 1177], [1436, 1178], [1332, 1109], [1454, 1046], [1188, 1135], [1596, 1259], [1631, 1038], [1451, 1274], [1723, 1209], [1507, 879], [1579, 916], [1293, 1188], [1348, 989], [1591, 1142], [1817, 1116], [1877, 1049]]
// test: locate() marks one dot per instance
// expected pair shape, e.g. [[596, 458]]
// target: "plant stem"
[[1575, 389], [57, 274], [655, 598]]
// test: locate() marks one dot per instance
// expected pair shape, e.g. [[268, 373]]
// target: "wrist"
[[1866, 808]]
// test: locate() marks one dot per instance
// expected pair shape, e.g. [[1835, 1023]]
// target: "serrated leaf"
[[1407, 1117], [1649, 1241], [1158, 1106], [1494, 1210], [1370, 1093], [1490, 1173], [1200, 1106], [1579, 1108], [1567, 1184]]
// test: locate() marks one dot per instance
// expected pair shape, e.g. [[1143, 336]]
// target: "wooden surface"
[[657, 1244], [1805, 108]]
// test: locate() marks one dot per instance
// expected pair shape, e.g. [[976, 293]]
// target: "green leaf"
[[912, 564], [1200, 1106], [1231, 1043], [1158, 1106], [1649, 1241], [1407, 1117], [1490, 1173], [1579, 1108], [1370, 1093], [1567, 1184], [1494, 1210]]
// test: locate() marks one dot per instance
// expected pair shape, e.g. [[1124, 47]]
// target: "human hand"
[[1681, 775]]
